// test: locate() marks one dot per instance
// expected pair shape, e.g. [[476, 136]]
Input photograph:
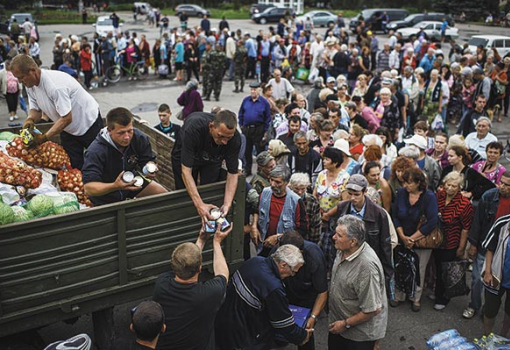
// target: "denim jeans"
[[476, 283]]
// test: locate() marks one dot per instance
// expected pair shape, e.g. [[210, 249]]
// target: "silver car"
[[432, 29], [319, 18]]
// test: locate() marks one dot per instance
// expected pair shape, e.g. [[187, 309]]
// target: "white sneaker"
[[16, 117], [439, 307], [11, 118]]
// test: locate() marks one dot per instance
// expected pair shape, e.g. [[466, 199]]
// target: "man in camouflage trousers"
[[218, 60], [240, 57], [206, 70]]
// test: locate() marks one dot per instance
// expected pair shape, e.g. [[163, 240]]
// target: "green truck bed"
[[59, 267]]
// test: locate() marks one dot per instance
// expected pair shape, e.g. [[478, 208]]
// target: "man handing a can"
[[119, 164]]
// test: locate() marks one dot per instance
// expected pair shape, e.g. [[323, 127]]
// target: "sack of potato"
[[46, 155], [70, 180], [17, 173]]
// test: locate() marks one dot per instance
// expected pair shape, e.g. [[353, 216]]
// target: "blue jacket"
[[104, 162], [255, 308]]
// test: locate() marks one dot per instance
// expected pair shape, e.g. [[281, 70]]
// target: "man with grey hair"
[[358, 309], [299, 182], [479, 139], [256, 306], [304, 159], [265, 163], [280, 210]]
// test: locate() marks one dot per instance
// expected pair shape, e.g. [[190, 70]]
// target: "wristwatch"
[[313, 316], [347, 325]]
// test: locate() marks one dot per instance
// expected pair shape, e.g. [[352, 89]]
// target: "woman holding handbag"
[[415, 215], [456, 215]]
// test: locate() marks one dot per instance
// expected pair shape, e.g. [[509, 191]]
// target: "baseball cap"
[[357, 182], [263, 158], [330, 80], [418, 141], [254, 84]]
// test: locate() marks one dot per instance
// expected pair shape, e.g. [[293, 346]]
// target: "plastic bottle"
[[438, 338], [464, 346], [450, 343]]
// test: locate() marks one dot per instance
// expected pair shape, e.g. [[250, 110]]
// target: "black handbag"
[[454, 278]]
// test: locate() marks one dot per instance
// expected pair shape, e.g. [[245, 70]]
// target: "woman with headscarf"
[[190, 99]]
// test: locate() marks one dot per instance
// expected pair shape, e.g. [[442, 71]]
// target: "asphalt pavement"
[[406, 329]]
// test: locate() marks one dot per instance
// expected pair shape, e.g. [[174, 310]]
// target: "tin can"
[[149, 168], [215, 214], [138, 181], [128, 176], [224, 224]]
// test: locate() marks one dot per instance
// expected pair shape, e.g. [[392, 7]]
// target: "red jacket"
[[85, 60]]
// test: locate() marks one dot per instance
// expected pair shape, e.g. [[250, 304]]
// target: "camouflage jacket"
[[240, 55]]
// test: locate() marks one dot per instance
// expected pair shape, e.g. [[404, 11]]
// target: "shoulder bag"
[[435, 239]]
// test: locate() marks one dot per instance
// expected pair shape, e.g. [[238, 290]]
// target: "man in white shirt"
[[282, 88], [230, 50], [73, 110], [482, 137], [395, 57], [27, 28]]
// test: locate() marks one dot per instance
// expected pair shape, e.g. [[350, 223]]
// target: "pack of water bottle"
[[452, 340], [449, 340], [492, 342]]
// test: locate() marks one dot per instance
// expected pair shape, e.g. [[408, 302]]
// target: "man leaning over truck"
[[118, 149], [205, 141]]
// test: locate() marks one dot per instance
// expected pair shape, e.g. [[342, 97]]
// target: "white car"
[[432, 29], [104, 25], [501, 43]]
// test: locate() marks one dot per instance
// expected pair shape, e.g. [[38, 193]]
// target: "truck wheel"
[[263, 20]]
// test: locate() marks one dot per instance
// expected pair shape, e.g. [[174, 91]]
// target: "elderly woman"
[[387, 111], [490, 168], [329, 189], [361, 86], [475, 184], [455, 103], [279, 151], [316, 119], [432, 103], [348, 164], [398, 167], [299, 183], [413, 203], [343, 94], [456, 214], [190, 99]]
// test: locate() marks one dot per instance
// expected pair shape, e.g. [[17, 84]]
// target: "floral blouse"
[[329, 196]]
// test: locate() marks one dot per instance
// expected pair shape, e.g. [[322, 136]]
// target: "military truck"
[[60, 267]]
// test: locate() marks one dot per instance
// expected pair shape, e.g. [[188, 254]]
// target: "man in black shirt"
[[294, 126], [147, 322], [190, 306], [354, 117], [165, 125], [303, 159], [205, 141]]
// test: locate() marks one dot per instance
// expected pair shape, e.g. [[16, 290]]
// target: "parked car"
[[104, 25], [143, 7], [257, 8], [372, 18], [319, 18], [432, 29], [411, 20], [272, 15], [191, 10], [21, 18], [501, 43]]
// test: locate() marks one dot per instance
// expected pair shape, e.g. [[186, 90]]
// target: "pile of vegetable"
[[14, 172], [48, 155], [71, 180]]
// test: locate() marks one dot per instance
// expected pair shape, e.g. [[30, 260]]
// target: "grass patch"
[[44, 16]]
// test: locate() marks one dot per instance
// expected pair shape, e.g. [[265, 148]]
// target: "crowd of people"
[[364, 164]]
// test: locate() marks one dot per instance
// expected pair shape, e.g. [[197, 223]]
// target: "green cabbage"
[[40, 205], [7, 136], [21, 214], [66, 207], [6, 214]]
